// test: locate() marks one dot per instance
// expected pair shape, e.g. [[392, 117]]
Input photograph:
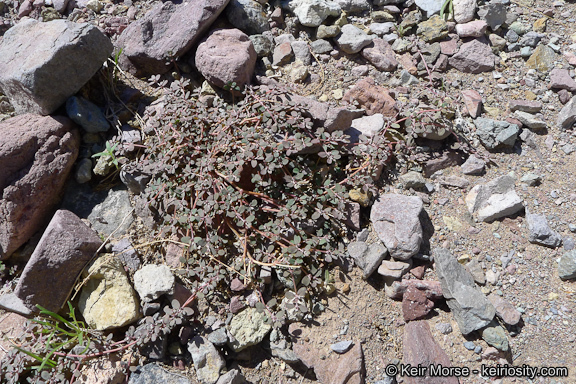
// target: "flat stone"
[[430, 7], [476, 28], [342, 346], [495, 336], [396, 221], [87, 115], [247, 15], [433, 29], [394, 269], [311, 13], [529, 120], [208, 363], [494, 134], [367, 257], [504, 309], [494, 200], [42, 64], [373, 98], [381, 55], [567, 266], [65, 248], [567, 115], [433, 289], [525, 106], [540, 232], [107, 300], [470, 308], [473, 57], [11, 302], [248, 328], [421, 349], [36, 156], [165, 33], [352, 39]]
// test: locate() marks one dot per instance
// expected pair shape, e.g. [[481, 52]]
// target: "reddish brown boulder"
[[421, 348], [65, 248], [373, 98], [226, 56], [36, 156], [165, 33], [415, 304]]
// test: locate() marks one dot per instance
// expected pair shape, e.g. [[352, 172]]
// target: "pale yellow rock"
[[493, 111], [540, 25], [337, 94], [552, 296], [249, 327], [464, 259], [323, 98], [360, 196], [452, 223], [107, 300]]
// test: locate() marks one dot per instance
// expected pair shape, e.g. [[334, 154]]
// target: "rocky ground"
[[465, 258]]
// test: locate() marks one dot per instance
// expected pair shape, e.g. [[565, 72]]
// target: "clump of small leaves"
[[254, 184]]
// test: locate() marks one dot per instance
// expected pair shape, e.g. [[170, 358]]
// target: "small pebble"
[[342, 346]]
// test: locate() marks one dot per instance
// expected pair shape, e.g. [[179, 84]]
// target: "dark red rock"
[[373, 98], [420, 348], [564, 96], [226, 56], [504, 309], [415, 304], [36, 155], [165, 33], [65, 248], [447, 159], [418, 271], [236, 285]]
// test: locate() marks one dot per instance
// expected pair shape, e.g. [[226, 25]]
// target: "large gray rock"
[[226, 56], [495, 134], [64, 249], [36, 155], [165, 33], [540, 232], [471, 309], [494, 200], [208, 362], [429, 7], [396, 220], [248, 16], [367, 257], [42, 64], [421, 349], [494, 13]]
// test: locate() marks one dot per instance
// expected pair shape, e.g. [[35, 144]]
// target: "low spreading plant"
[[254, 184]]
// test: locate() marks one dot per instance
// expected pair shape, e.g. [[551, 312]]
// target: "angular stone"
[[433, 29], [396, 221], [475, 269], [420, 348], [394, 269], [153, 281], [494, 13], [504, 309], [367, 257], [311, 13], [464, 10], [368, 126], [232, 377], [107, 300], [381, 55], [430, 7], [471, 309], [36, 155], [65, 248], [494, 200], [247, 15], [529, 120], [473, 57], [42, 64], [432, 288], [415, 304], [540, 232], [352, 39], [473, 102], [542, 59], [114, 215], [154, 373], [567, 115], [12, 327], [561, 79], [494, 134], [413, 179], [525, 106], [165, 33], [226, 56], [248, 328], [473, 166], [567, 266], [208, 362], [373, 98], [495, 336], [476, 28]]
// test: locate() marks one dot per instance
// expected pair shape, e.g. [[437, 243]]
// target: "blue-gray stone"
[[86, 114], [153, 373], [540, 232], [342, 346], [469, 345], [567, 266]]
